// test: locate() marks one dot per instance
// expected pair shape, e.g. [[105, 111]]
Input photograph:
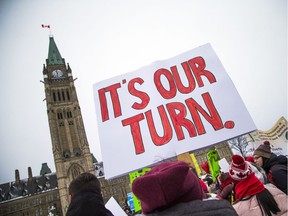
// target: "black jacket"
[[87, 203], [199, 208], [276, 169]]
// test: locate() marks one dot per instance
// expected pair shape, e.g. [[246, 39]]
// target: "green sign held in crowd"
[[133, 176], [213, 161]]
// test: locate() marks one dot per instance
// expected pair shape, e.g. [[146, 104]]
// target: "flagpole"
[[49, 27]]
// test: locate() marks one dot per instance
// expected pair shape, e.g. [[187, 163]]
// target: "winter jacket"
[[89, 203], [276, 169], [199, 208], [251, 207]]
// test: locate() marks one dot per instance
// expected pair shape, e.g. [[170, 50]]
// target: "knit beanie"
[[239, 169], [165, 185], [263, 150]]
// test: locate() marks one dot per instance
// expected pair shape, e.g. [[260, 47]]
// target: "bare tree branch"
[[239, 144]]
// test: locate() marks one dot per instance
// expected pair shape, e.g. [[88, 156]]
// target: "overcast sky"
[[102, 39]]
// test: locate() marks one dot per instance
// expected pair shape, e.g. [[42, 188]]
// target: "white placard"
[[224, 165], [114, 207], [165, 109]]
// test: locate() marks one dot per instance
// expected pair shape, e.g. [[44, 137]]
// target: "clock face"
[[57, 73]]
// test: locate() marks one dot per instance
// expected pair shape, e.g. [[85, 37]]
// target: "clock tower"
[[70, 147]]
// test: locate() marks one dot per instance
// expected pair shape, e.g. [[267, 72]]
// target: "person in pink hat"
[[252, 197], [172, 189]]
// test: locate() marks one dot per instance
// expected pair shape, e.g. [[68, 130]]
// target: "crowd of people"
[[253, 186]]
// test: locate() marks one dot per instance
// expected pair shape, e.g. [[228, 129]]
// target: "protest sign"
[[213, 162], [114, 207], [277, 136], [132, 177], [167, 108], [224, 165]]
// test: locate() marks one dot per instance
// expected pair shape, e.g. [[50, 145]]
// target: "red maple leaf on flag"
[[45, 26]]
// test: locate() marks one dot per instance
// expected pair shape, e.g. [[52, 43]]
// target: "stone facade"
[[70, 146], [118, 188], [37, 195], [40, 204]]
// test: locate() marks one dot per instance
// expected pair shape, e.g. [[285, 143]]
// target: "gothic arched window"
[[75, 171]]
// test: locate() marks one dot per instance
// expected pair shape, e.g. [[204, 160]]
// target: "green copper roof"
[[54, 56], [45, 169]]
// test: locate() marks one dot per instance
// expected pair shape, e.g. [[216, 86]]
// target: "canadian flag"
[[45, 26]]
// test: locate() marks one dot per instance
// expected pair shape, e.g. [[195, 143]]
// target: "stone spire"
[[45, 169], [17, 176], [30, 176]]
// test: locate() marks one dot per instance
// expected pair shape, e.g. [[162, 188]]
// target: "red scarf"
[[248, 187]]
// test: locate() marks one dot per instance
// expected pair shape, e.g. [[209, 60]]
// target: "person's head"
[[259, 172], [208, 179], [84, 181], [165, 185], [239, 169], [224, 179], [262, 153]]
